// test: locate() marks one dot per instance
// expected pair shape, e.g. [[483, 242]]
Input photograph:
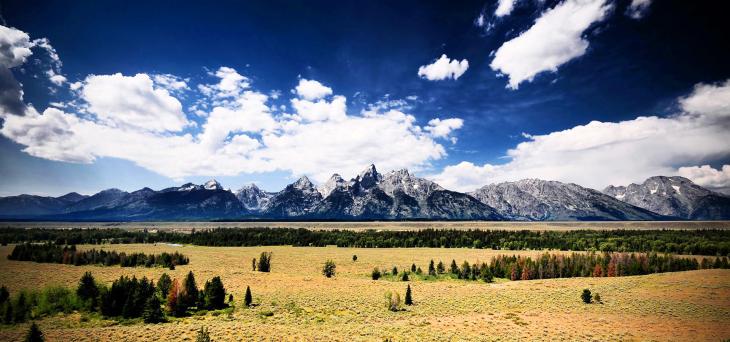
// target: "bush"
[[264, 264], [4, 294], [586, 296], [597, 298], [404, 277], [34, 334], [376, 274], [354, 257], [203, 335], [163, 285], [329, 269], [56, 299], [393, 302], [409, 299]]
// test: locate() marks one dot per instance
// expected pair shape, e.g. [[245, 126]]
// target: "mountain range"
[[371, 195]]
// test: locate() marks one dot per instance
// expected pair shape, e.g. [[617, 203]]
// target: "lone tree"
[[163, 285], [87, 290], [413, 268], [153, 311], [354, 257], [586, 296], [253, 264], [203, 335], [431, 269], [329, 269], [409, 299], [248, 300], [215, 294], [34, 334], [376, 274], [264, 264]]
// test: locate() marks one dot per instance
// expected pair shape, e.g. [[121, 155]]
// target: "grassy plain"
[[297, 303]]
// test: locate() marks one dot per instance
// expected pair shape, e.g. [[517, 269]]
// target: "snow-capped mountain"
[[538, 200], [212, 185], [296, 200], [253, 198], [674, 196]]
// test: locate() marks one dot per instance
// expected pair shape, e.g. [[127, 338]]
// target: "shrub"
[[203, 335], [253, 264], [163, 285], [394, 271], [56, 299], [34, 334], [409, 299], [393, 302], [4, 294], [586, 296], [215, 294], [87, 290], [248, 300], [354, 257], [404, 277], [597, 298], [376, 274], [264, 264], [153, 311], [329, 269], [413, 268]]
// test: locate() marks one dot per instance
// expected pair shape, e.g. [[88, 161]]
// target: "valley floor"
[[688, 306]]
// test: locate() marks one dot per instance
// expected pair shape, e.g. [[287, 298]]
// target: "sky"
[[112, 94]]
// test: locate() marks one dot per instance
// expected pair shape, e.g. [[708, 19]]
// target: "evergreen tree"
[[163, 285], [4, 294], [329, 269], [153, 311], [413, 268], [34, 334], [393, 301], [175, 305], [253, 264], [465, 270], [354, 257], [395, 271], [404, 277], [419, 271], [409, 299], [264, 264], [215, 294], [20, 308], [440, 268], [431, 268], [454, 268], [248, 299], [189, 294], [87, 290], [586, 296], [8, 315], [203, 335], [376, 274], [230, 298]]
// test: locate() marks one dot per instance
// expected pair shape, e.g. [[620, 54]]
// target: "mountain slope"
[[253, 198], [539, 200], [674, 196]]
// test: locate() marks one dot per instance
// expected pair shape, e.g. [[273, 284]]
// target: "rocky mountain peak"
[[336, 181], [303, 183], [212, 185], [369, 177]]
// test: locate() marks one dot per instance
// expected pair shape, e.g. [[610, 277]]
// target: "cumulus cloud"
[[138, 118], [443, 68], [312, 90], [132, 101], [708, 176], [504, 7], [555, 38], [638, 8], [598, 154], [15, 47]]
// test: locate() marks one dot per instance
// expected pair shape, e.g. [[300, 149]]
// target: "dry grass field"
[[397, 225], [297, 303]]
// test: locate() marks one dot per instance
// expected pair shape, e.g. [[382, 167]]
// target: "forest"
[[51, 253]]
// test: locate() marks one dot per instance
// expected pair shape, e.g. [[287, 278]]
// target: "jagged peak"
[[303, 183], [212, 185], [369, 171], [251, 186]]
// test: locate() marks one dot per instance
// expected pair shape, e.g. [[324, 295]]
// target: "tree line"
[[551, 265], [694, 242], [51, 253], [126, 298]]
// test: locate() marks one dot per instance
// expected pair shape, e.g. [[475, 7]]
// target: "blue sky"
[[522, 108]]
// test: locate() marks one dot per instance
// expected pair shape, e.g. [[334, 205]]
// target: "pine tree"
[[248, 300], [329, 269], [190, 295], [34, 334], [454, 268], [431, 269], [409, 299], [413, 268], [404, 277], [87, 290], [253, 264], [354, 257], [203, 335], [586, 296], [395, 271], [8, 314], [264, 264], [215, 294], [153, 311], [163, 285], [20, 309], [4, 294], [440, 268], [376, 274]]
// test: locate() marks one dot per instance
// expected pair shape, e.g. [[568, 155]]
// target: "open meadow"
[[296, 302]]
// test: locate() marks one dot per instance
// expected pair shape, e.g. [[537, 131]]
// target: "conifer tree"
[[4, 294], [87, 290], [163, 285], [404, 277], [586, 296], [175, 305], [431, 268], [395, 271], [354, 257], [20, 309], [190, 295], [8, 314], [329, 269], [215, 294], [153, 311], [34, 334], [253, 264], [409, 299], [454, 268], [376, 274], [264, 264], [248, 299], [413, 268], [440, 268]]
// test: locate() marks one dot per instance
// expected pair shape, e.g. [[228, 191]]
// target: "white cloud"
[[312, 90], [170, 82], [15, 47], [504, 7], [442, 128], [554, 39], [707, 176], [443, 68], [132, 102], [55, 78], [230, 84], [321, 110], [480, 21], [602, 153], [250, 115], [638, 8]]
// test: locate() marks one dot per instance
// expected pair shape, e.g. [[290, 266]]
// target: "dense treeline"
[[696, 242], [50, 253], [126, 298], [550, 265]]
